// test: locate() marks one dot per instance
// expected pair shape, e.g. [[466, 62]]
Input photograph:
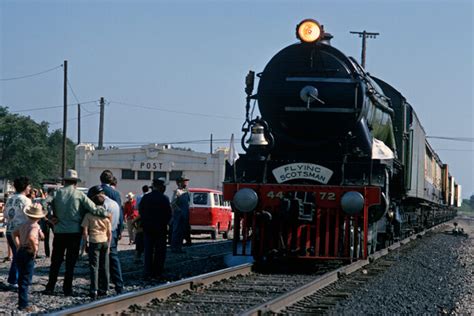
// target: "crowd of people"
[[92, 221]]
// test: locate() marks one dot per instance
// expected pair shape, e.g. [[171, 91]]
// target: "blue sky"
[[191, 57]]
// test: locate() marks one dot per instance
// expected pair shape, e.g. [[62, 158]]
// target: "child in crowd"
[[99, 232], [26, 238]]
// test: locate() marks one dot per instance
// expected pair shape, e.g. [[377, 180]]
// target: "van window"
[[200, 198], [216, 199], [221, 200]]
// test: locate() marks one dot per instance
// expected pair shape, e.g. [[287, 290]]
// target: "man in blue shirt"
[[114, 205]]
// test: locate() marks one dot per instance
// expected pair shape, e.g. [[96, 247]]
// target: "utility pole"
[[78, 124], [101, 124], [63, 167], [364, 36], [211, 144]]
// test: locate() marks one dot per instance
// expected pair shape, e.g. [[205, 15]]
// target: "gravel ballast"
[[200, 258], [434, 277]]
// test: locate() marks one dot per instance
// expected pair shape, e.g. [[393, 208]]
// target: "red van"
[[209, 213]]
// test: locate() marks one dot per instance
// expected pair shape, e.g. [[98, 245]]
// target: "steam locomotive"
[[337, 166]]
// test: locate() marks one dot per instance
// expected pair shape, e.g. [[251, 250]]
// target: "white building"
[[136, 167]]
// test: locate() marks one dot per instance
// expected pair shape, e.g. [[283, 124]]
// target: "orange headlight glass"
[[308, 31]]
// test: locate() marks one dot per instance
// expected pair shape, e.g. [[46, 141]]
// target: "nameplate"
[[302, 171]]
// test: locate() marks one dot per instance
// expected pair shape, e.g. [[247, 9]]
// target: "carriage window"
[[216, 199], [199, 198]]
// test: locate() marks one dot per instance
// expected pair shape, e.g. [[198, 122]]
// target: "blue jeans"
[[26, 264], [179, 226], [114, 264], [13, 273]]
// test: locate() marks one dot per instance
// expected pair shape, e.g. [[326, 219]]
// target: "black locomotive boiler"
[[338, 164]]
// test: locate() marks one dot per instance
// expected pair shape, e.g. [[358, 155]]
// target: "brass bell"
[[257, 138]]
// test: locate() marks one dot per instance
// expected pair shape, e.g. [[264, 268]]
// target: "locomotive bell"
[[257, 138]]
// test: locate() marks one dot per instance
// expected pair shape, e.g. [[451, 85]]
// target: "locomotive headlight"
[[245, 200], [308, 31], [352, 202]]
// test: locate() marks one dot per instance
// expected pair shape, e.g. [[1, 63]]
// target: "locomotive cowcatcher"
[[337, 166]]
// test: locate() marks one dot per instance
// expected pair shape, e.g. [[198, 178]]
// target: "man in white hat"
[[69, 207], [130, 212]]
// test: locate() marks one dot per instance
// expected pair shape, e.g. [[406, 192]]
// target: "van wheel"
[[225, 235], [213, 235]]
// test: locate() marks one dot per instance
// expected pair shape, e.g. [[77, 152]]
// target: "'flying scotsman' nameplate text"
[[302, 171]]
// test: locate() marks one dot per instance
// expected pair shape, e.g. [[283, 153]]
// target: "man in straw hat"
[[26, 238], [69, 207]]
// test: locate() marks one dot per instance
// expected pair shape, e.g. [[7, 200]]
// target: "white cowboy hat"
[[71, 174], [35, 211]]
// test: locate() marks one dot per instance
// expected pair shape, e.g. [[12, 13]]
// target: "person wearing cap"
[[180, 220], [155, 213], [113, 203], [69, 206], [15, 212], [98, 232], [27, 238], [130, 212]]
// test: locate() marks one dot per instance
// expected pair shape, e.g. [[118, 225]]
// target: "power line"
[[40, 107], [200, 141], [72, 90], [173, 111], [32, 75], [453, 149], [74, 118], [460, 139]]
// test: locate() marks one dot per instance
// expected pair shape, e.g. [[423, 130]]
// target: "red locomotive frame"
[[330, 234]]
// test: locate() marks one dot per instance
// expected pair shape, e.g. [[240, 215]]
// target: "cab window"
[[200, 198]]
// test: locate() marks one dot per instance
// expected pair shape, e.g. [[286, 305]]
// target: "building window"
[[128, 174], [175, 175], [159, 174], [144, 175]]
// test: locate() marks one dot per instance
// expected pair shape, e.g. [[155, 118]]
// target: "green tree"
[[27, 148], [466, 206]]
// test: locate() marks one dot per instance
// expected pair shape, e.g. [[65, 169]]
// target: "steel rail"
[[122, 302], [279, 303]]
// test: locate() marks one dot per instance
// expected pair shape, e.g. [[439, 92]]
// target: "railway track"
[[240, 290]]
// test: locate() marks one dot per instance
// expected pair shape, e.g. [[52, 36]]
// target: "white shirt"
[[15, 211], [113, 207]]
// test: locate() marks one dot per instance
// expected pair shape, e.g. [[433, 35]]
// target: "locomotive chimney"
[[326, 39]]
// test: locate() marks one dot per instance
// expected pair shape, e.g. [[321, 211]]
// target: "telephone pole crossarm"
[[364, 35]]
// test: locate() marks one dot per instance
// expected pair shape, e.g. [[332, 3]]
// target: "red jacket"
[[130, 211]]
